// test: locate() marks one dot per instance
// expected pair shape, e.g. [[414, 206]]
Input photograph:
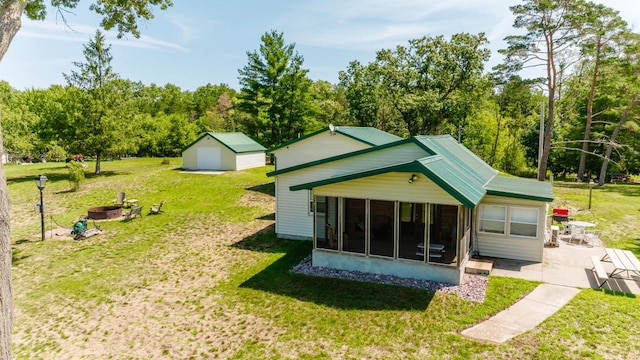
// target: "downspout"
[[476, 248]]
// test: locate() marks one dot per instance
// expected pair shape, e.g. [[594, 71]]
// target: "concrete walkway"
[[524, 315], [564, 271]]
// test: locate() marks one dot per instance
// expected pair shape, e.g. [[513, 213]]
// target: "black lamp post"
[[591, 183], [41, 180]]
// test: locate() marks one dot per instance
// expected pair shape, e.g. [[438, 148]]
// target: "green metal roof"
[[520, 188], [455, 180], [368, 135], [459, 156], [451, 166], [234, 141]]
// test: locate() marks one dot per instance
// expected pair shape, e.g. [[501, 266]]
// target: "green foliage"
[[122, 15], [56, 152], [427, 87], [99, 124], [430, 85], [275, 91], [76, 174]]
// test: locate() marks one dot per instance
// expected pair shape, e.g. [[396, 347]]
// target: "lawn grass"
[[615, 208], [209, 279]]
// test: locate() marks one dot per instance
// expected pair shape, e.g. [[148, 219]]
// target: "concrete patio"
[[566, 265]]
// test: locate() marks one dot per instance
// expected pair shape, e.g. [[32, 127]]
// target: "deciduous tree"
[[120, 14]]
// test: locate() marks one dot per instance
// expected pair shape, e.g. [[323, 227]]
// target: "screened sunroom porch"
[[411, 239]]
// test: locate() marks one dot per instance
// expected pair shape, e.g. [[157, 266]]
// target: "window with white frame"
[[321, 203], [523, 222], [492, 219]]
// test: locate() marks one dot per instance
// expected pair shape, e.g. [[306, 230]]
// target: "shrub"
[[165, 162], [56, 152], [76, 174]]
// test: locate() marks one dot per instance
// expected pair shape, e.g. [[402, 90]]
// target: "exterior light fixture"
[[413, 178], [41, 180]]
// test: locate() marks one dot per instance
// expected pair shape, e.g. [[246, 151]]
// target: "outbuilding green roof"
[[234, 141], [452, 167], [368, 135]]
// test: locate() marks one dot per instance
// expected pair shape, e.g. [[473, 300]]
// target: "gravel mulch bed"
[[473, 287]]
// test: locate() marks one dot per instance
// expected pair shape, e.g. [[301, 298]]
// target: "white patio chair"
[[577, 233], [592, 236]]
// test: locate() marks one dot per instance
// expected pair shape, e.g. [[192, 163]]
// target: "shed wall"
[[249, 160], [190, 158], [229, 160]]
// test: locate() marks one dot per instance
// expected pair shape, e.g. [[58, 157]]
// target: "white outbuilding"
[[223, 151]]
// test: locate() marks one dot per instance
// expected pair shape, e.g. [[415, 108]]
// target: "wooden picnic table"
[[623, 261]]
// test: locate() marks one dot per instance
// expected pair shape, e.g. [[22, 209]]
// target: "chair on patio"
[[592, 236], [577, 233], [331, 236]]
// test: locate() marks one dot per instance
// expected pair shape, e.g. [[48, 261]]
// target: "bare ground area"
[[178, 314]]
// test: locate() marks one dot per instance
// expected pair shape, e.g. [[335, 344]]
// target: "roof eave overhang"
[[519, 196], [411, 167], [347, 155]]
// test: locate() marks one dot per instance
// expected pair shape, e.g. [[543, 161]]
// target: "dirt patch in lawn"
[[171, 304]]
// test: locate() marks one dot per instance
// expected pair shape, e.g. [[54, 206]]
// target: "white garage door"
[[209, 158]]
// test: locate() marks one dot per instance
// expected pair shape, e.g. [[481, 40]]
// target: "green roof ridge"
[[237, 142], [365, 134]]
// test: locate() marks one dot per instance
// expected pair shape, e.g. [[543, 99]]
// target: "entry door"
[[209, 158]]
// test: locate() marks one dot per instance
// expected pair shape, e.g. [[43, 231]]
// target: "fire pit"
[[105, 212]]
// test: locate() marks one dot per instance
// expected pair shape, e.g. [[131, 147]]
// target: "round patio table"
[[582, 224]]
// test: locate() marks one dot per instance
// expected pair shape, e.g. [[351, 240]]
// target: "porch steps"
[[479, 266]]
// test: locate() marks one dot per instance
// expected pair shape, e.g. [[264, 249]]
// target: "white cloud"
[[376, 24], [186, 31], [49, 30], [367, 36]]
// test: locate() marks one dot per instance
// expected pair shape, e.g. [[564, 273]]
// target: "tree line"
[[431, 85]]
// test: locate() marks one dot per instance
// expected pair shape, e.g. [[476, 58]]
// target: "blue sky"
[[198, 42]]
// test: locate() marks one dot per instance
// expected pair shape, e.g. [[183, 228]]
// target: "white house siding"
[[292, 213], [392, 187], [512, 247], [249, 160], [293, 220], [320, 146]]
